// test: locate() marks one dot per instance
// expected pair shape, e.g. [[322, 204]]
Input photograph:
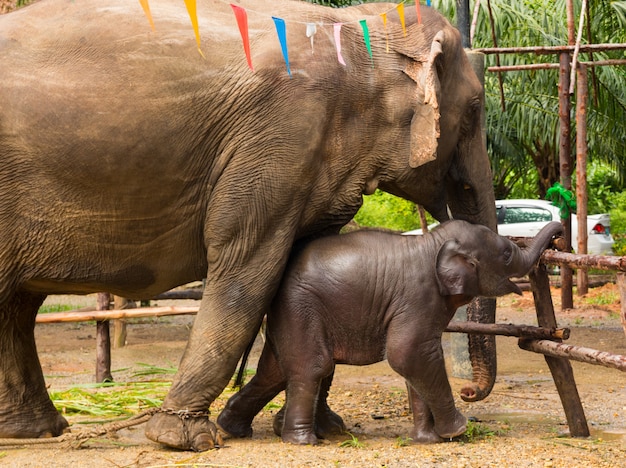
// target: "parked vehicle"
[[526, 217]]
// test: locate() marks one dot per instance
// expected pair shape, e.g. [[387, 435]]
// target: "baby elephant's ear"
[[457, 273]]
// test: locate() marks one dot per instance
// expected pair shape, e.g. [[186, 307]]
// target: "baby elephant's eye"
[[507, 255]]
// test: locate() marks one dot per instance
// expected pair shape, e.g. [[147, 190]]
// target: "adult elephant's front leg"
[[230, 313]]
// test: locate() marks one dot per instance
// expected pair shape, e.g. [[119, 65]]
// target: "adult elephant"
[[132, 164]]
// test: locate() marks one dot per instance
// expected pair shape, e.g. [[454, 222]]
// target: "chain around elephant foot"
[[184, 430]]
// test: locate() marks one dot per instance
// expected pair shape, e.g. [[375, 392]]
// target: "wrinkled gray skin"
[[366, 296], [132, 164]]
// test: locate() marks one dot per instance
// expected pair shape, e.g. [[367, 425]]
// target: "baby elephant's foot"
[[233, 424], [328, 423], [451, 428], [299, 437], [425, 436]]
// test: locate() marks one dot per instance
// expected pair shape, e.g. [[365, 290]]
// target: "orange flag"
[[146, 10]]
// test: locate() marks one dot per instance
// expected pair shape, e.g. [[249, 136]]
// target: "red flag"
[[242, 22]]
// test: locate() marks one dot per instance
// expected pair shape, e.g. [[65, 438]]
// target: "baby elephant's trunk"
[[524, 259]]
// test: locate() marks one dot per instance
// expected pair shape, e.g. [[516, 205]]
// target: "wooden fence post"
[[119, 325], [103, 342], [621, 282], [561, 368]]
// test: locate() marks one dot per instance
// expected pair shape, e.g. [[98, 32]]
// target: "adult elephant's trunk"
[[482, 348]]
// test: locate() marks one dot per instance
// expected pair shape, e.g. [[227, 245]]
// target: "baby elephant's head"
[[476, 261]]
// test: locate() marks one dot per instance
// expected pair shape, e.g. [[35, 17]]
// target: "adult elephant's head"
[[448, 170]]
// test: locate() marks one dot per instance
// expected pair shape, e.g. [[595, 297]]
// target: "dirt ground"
[[523, 417]]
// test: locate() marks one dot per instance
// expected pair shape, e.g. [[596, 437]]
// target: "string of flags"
[[241, 17]]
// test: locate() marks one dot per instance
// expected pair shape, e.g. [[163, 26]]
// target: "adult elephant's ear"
[[425, 122], [456, 272]]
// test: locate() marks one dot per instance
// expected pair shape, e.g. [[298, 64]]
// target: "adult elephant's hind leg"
[[25, 407]]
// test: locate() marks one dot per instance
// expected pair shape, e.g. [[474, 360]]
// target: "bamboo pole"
[[579, 36], [553, 66], [574, 353], [508, 329], [550, 50], [102, 315], [565, 169], [582, 279]]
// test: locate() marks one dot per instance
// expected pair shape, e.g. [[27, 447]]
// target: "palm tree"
[[526, 134]]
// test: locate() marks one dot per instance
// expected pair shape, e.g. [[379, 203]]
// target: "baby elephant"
[[363, 297]]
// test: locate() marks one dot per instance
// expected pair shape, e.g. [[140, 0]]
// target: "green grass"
[[606, 298], [352, 442], [47, 308], [110, 400], [476, 432]]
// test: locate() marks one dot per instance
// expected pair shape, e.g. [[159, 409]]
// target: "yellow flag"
[[384, 18], [146, 10], [400, 9], [193, 15]]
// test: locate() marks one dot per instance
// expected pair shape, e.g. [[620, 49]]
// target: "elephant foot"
[[327, 423], [233, 424], [183, 430], [31, 424], [425, 437], [451, 428], [299, 437]]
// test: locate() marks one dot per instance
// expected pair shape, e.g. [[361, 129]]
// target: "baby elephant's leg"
[[423, 423], [299, 424], [421, 363], [236, 418], [327, 422]]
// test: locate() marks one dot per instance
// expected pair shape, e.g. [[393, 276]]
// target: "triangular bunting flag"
[[311, 29], [193, 15], [337, 32], [366, 38], [146, 10], [281, 30], [400, 9], [384, 18], [242, 21]]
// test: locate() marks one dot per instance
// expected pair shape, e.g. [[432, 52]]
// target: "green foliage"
[[523, 138], [618, 222], [602, 184], [47, 308], [383, 210]]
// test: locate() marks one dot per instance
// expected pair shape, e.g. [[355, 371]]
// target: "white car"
[[525, 218]]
